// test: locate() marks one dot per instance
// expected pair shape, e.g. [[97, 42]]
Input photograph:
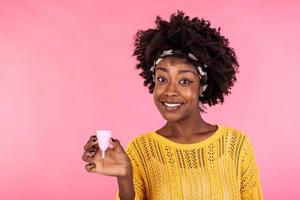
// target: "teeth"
[[172, 105]]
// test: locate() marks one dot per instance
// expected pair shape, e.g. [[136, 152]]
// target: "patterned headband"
[[201, 68]]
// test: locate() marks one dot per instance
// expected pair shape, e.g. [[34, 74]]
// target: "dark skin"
[[176, 80], [115, 163]]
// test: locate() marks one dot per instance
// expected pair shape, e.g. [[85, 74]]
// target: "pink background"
[[66, 70]]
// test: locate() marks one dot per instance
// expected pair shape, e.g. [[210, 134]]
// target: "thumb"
[[116, 144]]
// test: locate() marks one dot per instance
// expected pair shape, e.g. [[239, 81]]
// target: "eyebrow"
[[179, 72]]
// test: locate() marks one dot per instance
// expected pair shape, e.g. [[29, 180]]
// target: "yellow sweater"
[[221, 167]]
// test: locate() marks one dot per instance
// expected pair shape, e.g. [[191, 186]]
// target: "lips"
[[172, 105]]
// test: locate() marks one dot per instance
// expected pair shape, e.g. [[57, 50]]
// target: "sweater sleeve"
[[138, 182], [250, 181]]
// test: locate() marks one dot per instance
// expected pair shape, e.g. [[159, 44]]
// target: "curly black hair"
[[197, 37]]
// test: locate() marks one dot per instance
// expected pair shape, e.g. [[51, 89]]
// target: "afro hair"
[[197, 37]]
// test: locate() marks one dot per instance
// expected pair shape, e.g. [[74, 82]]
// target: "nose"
[[171, 90]]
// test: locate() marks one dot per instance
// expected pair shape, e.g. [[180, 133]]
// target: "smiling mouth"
[[171, 106]]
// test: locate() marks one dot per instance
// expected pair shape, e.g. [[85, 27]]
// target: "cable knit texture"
[[220, 167]]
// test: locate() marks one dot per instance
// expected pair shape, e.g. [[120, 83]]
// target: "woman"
[[184, 62]]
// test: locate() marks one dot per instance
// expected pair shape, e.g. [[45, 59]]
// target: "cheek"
[[191, 92], [157, 90], [156, 94]]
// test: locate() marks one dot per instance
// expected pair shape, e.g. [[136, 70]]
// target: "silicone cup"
[[103, 137]]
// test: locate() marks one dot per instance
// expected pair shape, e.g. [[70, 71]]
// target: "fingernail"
[[93, 137], [91, 164]]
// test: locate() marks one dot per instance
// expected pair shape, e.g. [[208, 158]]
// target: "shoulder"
[[238, 138], [241, 139], [235, 133], [142, 138]]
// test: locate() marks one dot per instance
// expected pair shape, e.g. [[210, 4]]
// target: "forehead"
[[175, 62]]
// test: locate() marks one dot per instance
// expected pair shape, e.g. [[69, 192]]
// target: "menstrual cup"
[[103, 137]]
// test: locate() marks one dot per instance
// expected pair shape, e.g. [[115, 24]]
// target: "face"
[[177, 89]]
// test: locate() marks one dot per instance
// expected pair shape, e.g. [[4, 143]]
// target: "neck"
[[186, 128]]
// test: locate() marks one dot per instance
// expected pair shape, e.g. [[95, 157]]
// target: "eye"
[[160, 79], [185, 81]]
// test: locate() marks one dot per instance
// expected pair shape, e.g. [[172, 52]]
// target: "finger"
[[92, 143], [89, 155], [93, 137], [91, 167], [116, 144]]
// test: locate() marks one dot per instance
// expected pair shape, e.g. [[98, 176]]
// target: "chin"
[[171, 117]]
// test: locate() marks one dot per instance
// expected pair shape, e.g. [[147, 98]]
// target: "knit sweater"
[[223, 166]]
